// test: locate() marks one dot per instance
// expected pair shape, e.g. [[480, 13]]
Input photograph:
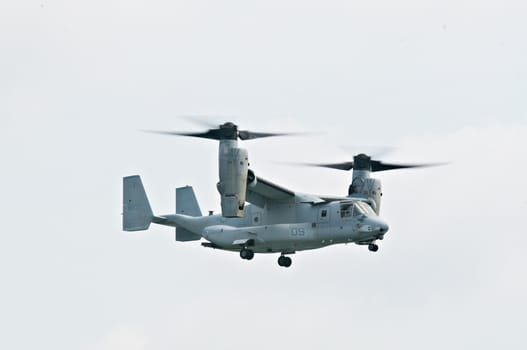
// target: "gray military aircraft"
[[277, 220]]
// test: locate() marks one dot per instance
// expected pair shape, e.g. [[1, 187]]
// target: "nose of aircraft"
[[375, 225], [382, 226]]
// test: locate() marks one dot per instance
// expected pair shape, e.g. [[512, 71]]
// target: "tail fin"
[[186, 204], [137, 214]]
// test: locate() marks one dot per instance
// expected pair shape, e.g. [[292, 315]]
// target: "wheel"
[[284, 261], [372, 247], [246, 254]]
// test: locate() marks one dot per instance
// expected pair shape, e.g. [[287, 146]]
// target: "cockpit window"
[[349, 209], [346, 209], [364, 208]]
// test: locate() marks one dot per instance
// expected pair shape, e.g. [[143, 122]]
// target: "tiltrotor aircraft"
[[277, 220]]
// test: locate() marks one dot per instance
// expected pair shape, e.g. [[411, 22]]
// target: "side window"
[[323, 215]]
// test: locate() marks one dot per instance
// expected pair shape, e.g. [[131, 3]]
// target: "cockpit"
[[350, 209]]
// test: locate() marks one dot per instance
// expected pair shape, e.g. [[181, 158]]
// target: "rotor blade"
[[339, 166], [211, 134], [250, 135], [377, 165]]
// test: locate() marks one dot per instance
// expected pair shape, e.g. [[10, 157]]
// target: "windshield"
[[350, 208], [364, 208]]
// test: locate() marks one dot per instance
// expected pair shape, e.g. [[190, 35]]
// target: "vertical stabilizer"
[[137, 214], [186, 204]]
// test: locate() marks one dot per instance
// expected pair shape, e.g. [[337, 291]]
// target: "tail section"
[[186, 204], [137, 213]]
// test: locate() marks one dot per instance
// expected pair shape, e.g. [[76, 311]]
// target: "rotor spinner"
[[362, 162], [227, 131]]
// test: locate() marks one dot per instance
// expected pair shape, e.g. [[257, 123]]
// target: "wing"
[[264, 192]]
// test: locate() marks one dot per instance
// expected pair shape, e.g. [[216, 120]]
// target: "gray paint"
[[275, 227], [137, 214], [233, 163], [186, 204]]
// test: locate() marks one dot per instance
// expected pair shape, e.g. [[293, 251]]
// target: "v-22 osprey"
[[277, 220]]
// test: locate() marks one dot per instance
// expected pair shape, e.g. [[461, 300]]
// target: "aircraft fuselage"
[[290, 227]]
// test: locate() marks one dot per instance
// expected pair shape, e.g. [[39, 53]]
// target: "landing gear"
[[284, 261], [372, 247], [246, 254]]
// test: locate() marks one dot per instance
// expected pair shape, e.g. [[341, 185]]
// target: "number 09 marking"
[[295, 232]]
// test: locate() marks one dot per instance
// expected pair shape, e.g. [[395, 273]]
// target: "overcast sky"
[[439, 80]]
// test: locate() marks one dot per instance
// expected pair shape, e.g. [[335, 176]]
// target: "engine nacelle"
[[368, 188], [233, 164]]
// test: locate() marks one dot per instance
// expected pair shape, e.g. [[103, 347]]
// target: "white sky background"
[[441, 80]]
